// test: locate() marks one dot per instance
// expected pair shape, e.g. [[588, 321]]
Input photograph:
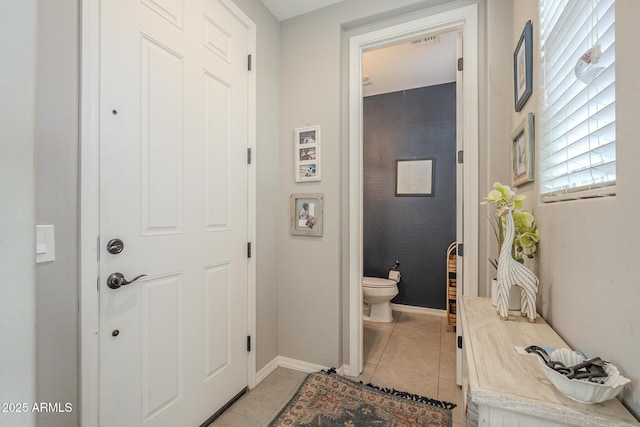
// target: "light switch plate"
[[45, 243]]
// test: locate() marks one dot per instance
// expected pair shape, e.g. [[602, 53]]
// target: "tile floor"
[[415, 353]]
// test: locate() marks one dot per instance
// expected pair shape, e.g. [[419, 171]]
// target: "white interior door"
[[173, 188]]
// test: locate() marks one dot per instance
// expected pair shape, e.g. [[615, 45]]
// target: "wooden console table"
[[510, 389]]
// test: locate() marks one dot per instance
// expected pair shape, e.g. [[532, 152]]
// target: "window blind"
[[578, 119]]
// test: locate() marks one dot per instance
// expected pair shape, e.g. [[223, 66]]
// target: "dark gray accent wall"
[[414, 230]]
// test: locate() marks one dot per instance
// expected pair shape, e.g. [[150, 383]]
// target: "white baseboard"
[[289, 363], [419, 310], [344, 370], [266, 370], [299, 365]]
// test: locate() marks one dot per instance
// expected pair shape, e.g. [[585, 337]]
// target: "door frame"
[[89, 228], [465, 20]]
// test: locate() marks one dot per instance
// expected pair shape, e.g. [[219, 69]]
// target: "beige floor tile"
[[415, 337], [270, 394], [411, 358], [422, 321], [414, 353], [407, 381], [374, 343], [383, 325], [448, 343], [233, 419], [290, 373], [447, 366], [366, 374], [451, 392]]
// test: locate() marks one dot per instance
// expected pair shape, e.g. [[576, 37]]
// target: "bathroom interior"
[[409, 92]]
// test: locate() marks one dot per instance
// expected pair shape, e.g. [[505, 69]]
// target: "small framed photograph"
[[414, 177], [523, 67], [307, 154], [306, 214], [522, 153]]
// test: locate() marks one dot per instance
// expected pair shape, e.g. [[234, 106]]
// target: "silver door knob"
[[116, 280], [115, 246]]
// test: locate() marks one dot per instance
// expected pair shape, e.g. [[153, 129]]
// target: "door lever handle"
[[116, 280]]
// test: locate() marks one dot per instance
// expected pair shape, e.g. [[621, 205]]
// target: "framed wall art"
[[414, 177], [307, 154], [523, 67], [306, 214], [522, 152]]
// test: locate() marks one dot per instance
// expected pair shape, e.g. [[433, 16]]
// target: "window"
[[577, 121]]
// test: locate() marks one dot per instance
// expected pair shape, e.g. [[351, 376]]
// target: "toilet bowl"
[[378, 293]]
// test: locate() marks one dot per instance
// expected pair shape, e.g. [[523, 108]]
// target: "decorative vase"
[[511, 273], [515, 295]]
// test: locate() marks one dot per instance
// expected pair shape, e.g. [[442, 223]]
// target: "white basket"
[[581, 390]]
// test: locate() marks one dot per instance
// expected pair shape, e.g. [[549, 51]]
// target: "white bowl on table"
[[582, 390]]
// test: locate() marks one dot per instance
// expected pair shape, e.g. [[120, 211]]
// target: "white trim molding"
[[294, 364], [89, 211], [251, 179], [464, 20], [266, 370], [418, 310]]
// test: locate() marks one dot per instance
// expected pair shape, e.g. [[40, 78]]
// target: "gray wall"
[[417, 123], [57, 204], [18, 33], [313, 290]]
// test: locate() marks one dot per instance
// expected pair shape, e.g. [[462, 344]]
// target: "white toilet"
[[378, 293]]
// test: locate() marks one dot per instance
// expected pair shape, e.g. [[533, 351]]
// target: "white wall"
[[57, 204], [17, 215], [589, 283]]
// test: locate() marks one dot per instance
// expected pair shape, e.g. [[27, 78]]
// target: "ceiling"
[[285, 9], [402, 66], [431, 60]]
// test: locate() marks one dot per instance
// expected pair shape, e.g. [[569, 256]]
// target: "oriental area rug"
[[326, 399]]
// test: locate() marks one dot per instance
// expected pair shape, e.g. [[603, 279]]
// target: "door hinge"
[[460, 156], [460, 249], [249, 62], [248, 249], [98, 283], [248, 156], [248, 342], [460, 342], [460, 64]]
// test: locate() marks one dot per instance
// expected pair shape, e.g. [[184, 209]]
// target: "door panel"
[[161, 340], [161, 124], [173, 187]]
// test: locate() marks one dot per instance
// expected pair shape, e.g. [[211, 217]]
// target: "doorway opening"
[[409, 167], [464, 22]]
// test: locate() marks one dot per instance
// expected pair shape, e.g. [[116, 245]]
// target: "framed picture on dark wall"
[[414, 177], [523, 67]]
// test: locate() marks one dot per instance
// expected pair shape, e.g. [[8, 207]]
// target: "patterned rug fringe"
[[410, 396]]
